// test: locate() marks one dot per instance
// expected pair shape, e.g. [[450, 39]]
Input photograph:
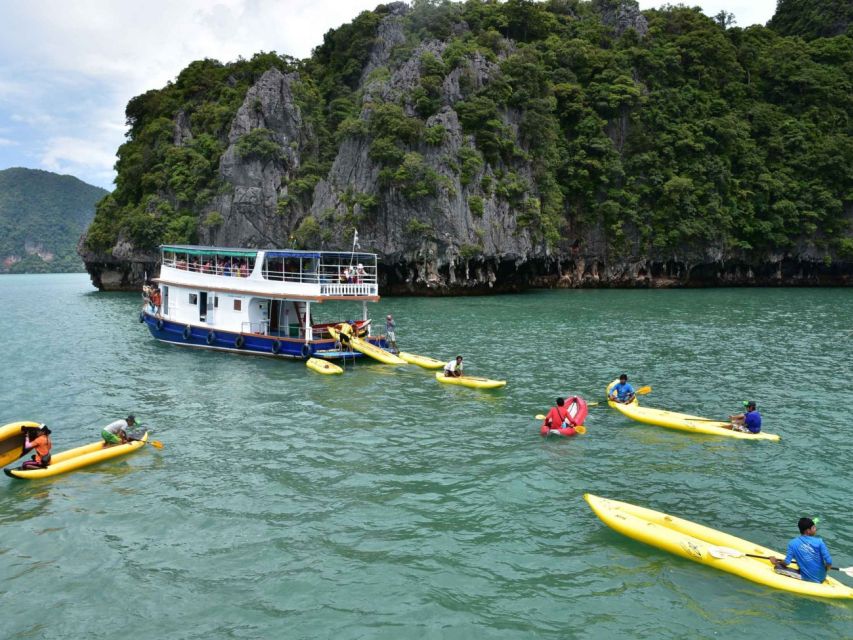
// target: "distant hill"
[[42, 216], [812, 19]]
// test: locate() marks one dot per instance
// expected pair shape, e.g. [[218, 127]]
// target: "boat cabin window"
[[215, 263], [238, 304], [193, 298], [291, 269]]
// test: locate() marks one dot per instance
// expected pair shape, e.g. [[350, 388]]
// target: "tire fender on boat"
[[160, 324], [276, 347], [239, 342], [306, 351], [211, 337], [188, 331]]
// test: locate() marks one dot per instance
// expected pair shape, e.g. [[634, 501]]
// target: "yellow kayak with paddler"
[[682, 421], [707, 546], [74, 459]]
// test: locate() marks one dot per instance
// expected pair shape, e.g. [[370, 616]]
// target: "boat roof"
[[239, 252]]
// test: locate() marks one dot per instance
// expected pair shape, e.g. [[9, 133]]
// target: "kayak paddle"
[[154, 443], [726, 552]]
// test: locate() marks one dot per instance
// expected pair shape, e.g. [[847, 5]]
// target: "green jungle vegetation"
[[702, 132], [46, 210]]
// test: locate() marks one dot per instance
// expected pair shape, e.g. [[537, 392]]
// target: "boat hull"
[[207, 337], [694, 541], [73, 459], [682, 421]]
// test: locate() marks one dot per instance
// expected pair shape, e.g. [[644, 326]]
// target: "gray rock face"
[[622, 15], [249, 207]]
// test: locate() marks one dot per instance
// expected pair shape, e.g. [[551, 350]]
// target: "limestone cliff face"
[[460, 238]]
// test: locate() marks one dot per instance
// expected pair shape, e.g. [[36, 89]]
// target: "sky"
[[68, 68]]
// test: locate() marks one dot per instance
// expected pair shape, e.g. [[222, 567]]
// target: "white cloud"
[[746, 12], [65, 154], [6, 142], [68, 69]]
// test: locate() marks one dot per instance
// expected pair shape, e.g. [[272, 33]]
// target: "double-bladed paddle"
[[728, 552]]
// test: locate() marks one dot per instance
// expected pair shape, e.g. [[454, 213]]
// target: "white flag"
[[355, 240]]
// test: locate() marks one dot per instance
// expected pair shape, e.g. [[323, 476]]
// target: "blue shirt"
[[752, 421], [811, 555], [623, 390]]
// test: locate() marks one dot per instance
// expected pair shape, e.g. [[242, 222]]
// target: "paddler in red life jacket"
[[557, 417], [42, 444]]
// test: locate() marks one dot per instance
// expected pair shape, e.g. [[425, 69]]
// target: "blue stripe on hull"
[[208, 338]]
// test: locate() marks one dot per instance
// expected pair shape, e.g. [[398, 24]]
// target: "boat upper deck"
[[274, 273]]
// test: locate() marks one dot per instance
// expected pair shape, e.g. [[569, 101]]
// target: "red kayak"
[[576, 411]]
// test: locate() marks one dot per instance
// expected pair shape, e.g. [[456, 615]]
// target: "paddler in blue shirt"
[[810, 553], [622, 392], [749, 421]]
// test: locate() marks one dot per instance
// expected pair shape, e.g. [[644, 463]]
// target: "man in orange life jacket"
[[42, 444]]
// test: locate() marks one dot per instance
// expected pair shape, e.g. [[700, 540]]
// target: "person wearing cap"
[[749, 421], [42, 444], [391, 333], [116, 432], [808, 551], [453, 369], [360, 273], [622, 392]]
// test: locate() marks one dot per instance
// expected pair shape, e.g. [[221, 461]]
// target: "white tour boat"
[[259, 301]]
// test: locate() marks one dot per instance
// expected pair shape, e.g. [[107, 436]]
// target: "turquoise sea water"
[[380, 504]]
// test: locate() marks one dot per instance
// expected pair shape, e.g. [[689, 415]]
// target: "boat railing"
[[348, 289], [262, 327], [238, 270]]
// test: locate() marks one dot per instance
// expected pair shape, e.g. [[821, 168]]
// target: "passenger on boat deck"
[[747, 422], [42, 444], [453, 369], [622, 392], [116, 432], [391, 333], [810, 553], [156, 301], [181, 264], [360, 273], [146, 295], [205, 267]]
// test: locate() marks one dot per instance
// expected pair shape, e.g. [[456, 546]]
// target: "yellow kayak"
[[699, 543], [12, 441], [422, 361], [323, 366], [78, 458], [367, 348], [682, 421], [469, 381]]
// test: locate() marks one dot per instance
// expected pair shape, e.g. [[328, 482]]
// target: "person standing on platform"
[[391, 333]]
